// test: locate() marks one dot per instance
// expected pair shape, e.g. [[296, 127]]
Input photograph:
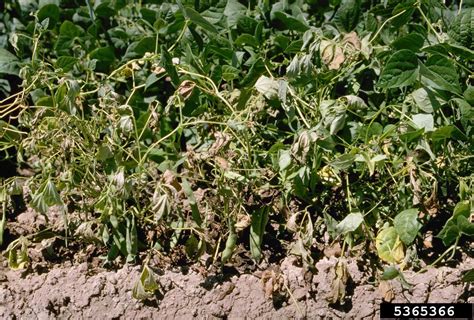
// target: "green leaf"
[[389, 247], [440, 73], [407, 225], [443, 133], [389, 273], [457, 224], [401, 70], [291, 22], [68, 32], [66, 63], [104, 152], [257, 230], [103, 10], [131, 239], [246, 24], [167, 63], [462, 28], [412, 41], [343, 162], [447, 49], [350, 223], [8, 62], [231, 242], [469, 95], [229, 73], [50, 11], [192, 246], [105, 57], [151, 80], [233, 10], [138, 48], [403, 18], [196, 18], [247, 39], [348, 15], [468, 276]]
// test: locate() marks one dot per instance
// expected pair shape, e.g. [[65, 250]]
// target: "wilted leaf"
[[425, 100], [185, 89], [350, 223], [161, 205], [424, 121], [268, 87], [285, 160], [332, 55], [146, 286], [18, 254], [386, 290], [339, 282]]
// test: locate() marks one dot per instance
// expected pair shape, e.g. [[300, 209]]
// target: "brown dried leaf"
[[386, 290], [332, 55], [351, 39], [339, 283], [415, 186], [333, 250], [170, 180], [243, 221], [291, 223], [273, 281], [159, 70], [222, 140], [222, 163], [185, 89], [431, 204], [338, 59], [428, 240]]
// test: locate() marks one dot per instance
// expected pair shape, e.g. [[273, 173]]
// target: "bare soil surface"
[[78, 287], [85, 292]]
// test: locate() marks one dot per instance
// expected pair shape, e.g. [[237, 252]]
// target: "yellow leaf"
[[389, 247]]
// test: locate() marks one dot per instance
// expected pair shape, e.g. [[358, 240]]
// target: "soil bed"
[[72, 291]]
